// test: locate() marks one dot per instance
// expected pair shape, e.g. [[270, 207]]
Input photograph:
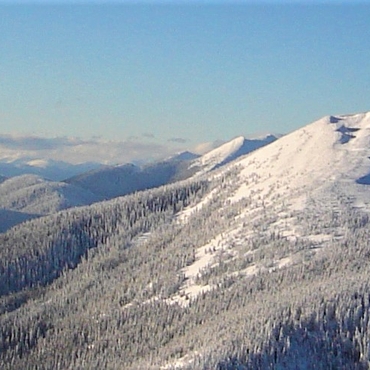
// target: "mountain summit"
[[332, 152], [229, 151]]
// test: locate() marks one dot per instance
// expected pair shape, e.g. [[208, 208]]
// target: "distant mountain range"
[[46, 168], [29, 196], [60, 170]]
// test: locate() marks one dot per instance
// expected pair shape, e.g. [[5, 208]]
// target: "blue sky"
[[177, 75]]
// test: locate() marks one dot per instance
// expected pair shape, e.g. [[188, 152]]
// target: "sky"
[[165, 76]]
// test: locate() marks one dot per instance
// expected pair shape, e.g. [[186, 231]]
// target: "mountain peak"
[[231, 150], [184, 156], [333, 147]]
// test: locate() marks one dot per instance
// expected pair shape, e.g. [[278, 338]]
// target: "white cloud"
[[76, 150], [205, 147]]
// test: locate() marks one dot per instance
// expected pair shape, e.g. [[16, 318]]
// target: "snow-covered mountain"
[[328, 156], [33, 195], [114, 181], [261, 263], [321, 170], [184, 156], [229, 151], [47, 168]]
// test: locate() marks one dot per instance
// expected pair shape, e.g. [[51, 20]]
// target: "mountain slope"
[[116, 181], [263, 263], [10, 218], [229, 151], [320, 171], [332, 151], [47, 168], [111, 182], [35, 195]]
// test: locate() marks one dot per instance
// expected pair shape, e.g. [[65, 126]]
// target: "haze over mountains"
[[254, 262]]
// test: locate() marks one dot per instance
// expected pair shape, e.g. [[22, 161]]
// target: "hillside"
[[28, 196], [46, 168], [114, 181], [10, 218], [33, 195], [262, 263], [229, 151]]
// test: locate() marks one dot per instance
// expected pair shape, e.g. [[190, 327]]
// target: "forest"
[[109, 285]]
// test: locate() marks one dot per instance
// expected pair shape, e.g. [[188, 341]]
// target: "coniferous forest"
[[95, 287]]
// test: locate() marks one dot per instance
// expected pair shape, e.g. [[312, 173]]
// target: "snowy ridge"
[[229, 151], [218, 155], [34, 195], [54, 170], [315, 156]]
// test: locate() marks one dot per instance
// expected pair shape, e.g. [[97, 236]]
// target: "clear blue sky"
[[193, 73]]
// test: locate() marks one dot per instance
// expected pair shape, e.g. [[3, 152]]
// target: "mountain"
[[185, 156], [230, 151], [114, 181], [47, 168], [9, 218], [34, 196], [262, 263], [28, 196], [326, 157], [54, 170]]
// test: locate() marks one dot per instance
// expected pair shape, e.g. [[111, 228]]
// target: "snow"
[[190, 289], [180, 363], [311, 162], [218, 155], [34, 195], [187, 212], [308, 158], [203, 259], [310, 171], [229, 152]]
